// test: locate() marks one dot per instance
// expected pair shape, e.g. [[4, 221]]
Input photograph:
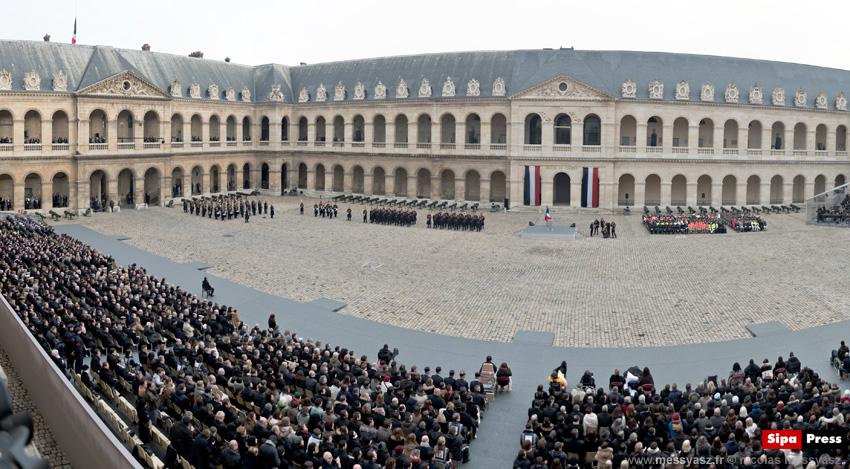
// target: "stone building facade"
[[662, 129]]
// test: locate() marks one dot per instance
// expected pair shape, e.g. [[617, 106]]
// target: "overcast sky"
[[288, 32]]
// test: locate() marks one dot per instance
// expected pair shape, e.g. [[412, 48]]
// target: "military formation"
[[456, 221], [323, 210], [391, 216], [227, 207], [683, 224]]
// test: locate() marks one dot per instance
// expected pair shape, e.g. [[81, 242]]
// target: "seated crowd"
[[713, 425], [238, 396], [683, 224], [838, 214], [743, 221]]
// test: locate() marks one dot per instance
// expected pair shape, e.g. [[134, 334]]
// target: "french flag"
[[74, 37], [532, 185], [590, 188], [548, 218]]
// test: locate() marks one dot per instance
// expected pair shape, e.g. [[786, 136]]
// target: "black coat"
[[199, 455]]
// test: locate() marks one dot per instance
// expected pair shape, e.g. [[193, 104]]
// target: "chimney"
[[303, 63], [227, 59], [46, 38], [146, 47], [197, 54]]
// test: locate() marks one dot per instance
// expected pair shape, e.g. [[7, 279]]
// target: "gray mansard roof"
[[520, 70]]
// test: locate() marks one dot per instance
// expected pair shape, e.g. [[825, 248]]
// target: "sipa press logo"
[[802, 439]]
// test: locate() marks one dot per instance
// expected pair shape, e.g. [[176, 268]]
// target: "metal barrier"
[[86, 440]]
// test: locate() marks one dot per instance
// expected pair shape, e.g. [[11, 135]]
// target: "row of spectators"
[[715, 424], [242, 397], [839, 213], [743, 221], [683, 224]]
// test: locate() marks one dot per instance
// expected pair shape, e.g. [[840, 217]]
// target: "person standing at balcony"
[[653, 139]]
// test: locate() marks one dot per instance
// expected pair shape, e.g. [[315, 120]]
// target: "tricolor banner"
[[532, 185], [590, 188], [74, 37]]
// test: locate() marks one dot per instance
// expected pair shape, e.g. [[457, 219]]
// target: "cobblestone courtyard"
[[636, 290]]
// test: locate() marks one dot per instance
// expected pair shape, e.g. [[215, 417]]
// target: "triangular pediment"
[[562, 87], [124, 85]]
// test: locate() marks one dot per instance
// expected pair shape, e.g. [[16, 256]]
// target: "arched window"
[[533, 129], [592, 131], [563, 130]]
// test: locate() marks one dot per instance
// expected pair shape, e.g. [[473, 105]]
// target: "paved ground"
[[42, 435], [530, 356], [637, 290]]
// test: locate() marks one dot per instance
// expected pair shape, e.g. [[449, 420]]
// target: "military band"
[[226, 207]]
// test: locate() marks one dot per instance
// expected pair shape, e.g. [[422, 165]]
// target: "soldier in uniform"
[[315, 210], [302, 208], [266, 207], [365, 214], [349, 213], [272, 212]]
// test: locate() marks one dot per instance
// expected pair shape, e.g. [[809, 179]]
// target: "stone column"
[[830, 142], [389, 132], [311, 132], [412, 181], [165, 183], [239, 133], [389, 184], [46, 135], [767, 139], [719, 130], [516, 186], [348, 132], [640, 136], [79, 194], [436, 187], [460, 189], [788, 141], [436, 132], [743, 140], [187, 133], [138, 190], [606, 191], [460, 134], [293, 131], [80, 139], [787, 192], [639, 197], [274, 134], [486, 136], [547, 192], [18, 141], [716, 193], [547, 136], [311, 179], [165, 135], [764, 194], [693, 139], [811, 138], [691, 196], [369, 133], [274, 176], [46, 192], [412, 133], [809, 189], [575, 191], [205, 133], [667, 144], [666, 193], [112, 191], [112, 135], [485, 192], [577, 134], [367, 183], [348, 182], [740, 194]]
